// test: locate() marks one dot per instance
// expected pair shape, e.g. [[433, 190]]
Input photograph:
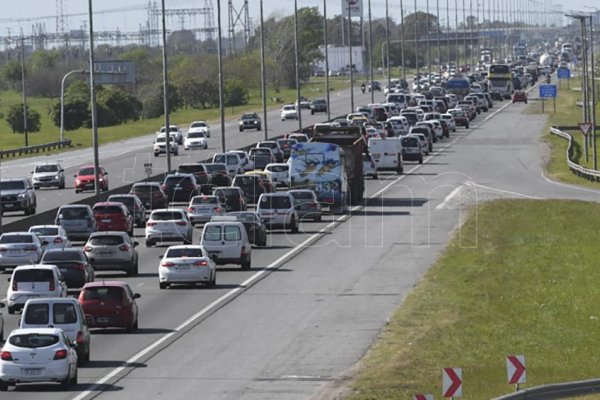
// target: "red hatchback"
[[113, 216], [519, 96], [109, 304], [85, 178]]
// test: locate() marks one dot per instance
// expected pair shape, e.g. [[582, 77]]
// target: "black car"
[[180, 187], [151, 194], [134, 205], [17, 194], [199, 171], [260, 160], [318, 105], [286, 146], [249, 121], [218, 173], [255, 228], [232, 197], [73, 264], [252, 186]]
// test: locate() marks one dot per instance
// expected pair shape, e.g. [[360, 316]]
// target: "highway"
[[314, 302]]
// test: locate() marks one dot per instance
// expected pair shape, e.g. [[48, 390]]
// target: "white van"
[[387, 154], [226, 241], [398, 98], [63, 313], [399, 124], [36, 280], [232, 161]]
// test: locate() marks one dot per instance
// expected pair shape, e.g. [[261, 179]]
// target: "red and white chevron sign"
[[515, 366], [451, 382], [423, 397]]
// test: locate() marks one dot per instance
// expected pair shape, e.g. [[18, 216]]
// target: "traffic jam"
[[204, 216]]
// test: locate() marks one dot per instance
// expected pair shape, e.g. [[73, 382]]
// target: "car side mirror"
[[135, 244], [137, 296], [75, 176], [44, 243], [212, 257], [161, 256], [2, 305], [8, 279], [61, 170]]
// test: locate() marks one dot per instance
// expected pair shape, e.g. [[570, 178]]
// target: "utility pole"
[[326, 41], [593, 94], [297, 63], [93, 103], [351, 68], [25, 127], [416, 44], [402, 40], [371, 55], [439, 48], [428, 47], [165, 88], [263, 78], [456, 44], [387, 40], [220, 67]]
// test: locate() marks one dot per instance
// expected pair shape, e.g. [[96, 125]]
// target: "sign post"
[[563, 73], [548, 91], [515, 368], [148, 169], [451, 382]]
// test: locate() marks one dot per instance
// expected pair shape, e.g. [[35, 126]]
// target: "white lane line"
[[517, 194], [449, 197], [140, 284], [246, 284], [569, 186]]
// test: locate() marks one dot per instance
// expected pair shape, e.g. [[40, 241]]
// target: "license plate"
[[31, 371], [8, 205], [105, 221], [14, 252], [102, 320], [63, 270], [183, 267]]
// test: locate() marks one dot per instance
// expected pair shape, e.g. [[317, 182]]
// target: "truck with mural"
[[459, 86], [331, 165]]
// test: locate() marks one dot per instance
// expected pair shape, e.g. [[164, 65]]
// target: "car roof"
[[146, 184], [236, 223], [69, 249], [36, 266], [275, 194], [108, 203], [179, 210], [103, 283], [44, 331], [75, 206], [52, 299], [185, 246], [45, 226], [108, 233]]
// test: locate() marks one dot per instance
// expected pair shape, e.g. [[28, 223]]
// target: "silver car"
[[20, 248], [1, 324], [112, 250], [203, 208], [48, 175], [77, 220], [54, 235], [306, 204]]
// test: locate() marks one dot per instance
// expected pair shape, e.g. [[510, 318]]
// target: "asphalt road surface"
[[314, 302]]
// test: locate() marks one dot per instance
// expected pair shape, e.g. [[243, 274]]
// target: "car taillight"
[[190, 209], [51, 286], [124, 247], [2, 249], [58, 240], [202, 263], [150, 223], [80, 267], [79, 339], [60, 354], [30, 248], [6, 356], [87, 248], [167, 264], [312, 205], [181, 223], [217, 209], [163, 186]]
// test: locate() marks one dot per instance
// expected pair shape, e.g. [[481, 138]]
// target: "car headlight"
[[100, 179], [57, 177], [21, 195]]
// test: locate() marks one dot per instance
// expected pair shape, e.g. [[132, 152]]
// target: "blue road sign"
[[547, 90], [563, 73]]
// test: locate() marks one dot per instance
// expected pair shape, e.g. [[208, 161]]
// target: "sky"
[[127, 15]]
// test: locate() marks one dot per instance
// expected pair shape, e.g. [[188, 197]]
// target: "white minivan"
[[64, 313], [232, 160], [387, 154], [36, 280], [226, 241]]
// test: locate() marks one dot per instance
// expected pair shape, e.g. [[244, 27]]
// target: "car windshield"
[[166, 216], [246, 180], [73, 213], [249, 116], [278, 168], [215, 167], [86, 171], [410, 141], [64, 255], [205, 200], [33, 275], [243, 216], [108, 210], [12, 185], [270, 145], [5, 239], [103, 293], [33, 340], [184, 252], [230, 192], [178, 180], [198, 124], [190, 168], [230, 233], [45, 231], [144, 188], [192, 135], [46, 168], [275, 202], [302, 195], [106, 240]]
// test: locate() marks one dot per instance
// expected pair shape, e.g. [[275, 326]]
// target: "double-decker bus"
[[500, 78]]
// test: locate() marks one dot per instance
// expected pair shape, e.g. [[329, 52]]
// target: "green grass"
[[528, 287], [567, 113], [83, 137]]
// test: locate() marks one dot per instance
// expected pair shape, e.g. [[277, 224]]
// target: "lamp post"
[[371, 55], [402, 40], [24, 96], [220, 67], [93, 102], [263, 79], [416, 44], [297, 62], [166, 88], [325, 39], [387, 40], [62, 100], [351, 68]]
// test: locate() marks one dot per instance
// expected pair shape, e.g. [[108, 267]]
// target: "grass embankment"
[[567, 114], [83, 138], [527, 287]]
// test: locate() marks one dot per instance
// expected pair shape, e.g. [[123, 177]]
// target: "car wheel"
[[467, 126], [2, 335], [421, 160], [65, 384], [11, 309], [61, 185], [318, 218], [176, 153], [259, 128], [155, 154], [149, 243], [135, 324], [213, 281], [3, 386], [246, 262], [294, 227], [241, 130], [74, 379], [163, 285]]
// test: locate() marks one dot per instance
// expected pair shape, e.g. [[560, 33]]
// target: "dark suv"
[[249, 121], [318, 105], [180, 187], [151, 194], [232, 197], [251, 185], [218, 173], [134, 205], [203, 177], [17, 194]]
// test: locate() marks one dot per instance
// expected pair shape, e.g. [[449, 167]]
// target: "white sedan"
[[186, 265], [289, 111], [38, 355], [55, 235], [199, 126], [195, 140]]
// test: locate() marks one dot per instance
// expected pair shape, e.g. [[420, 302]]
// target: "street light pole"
[[416, 44], [263, 79], [428, 47], [93, 102], [593, 94], [297, 62], [387, 40], [220, 67], [351, 68], [25, 127], [166, 88], [326, 40], [402, 40], [371, 55], [62, 100]]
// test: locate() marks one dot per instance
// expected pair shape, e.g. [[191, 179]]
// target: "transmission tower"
[[62, 29], [237, 19]]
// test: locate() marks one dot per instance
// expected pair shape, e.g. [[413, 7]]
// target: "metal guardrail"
[[35, 149], [587, 173], [555, 391]]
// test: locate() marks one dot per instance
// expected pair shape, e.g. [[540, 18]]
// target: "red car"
[[109, 304], [85, 178], [519, 96], [113, 216]]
